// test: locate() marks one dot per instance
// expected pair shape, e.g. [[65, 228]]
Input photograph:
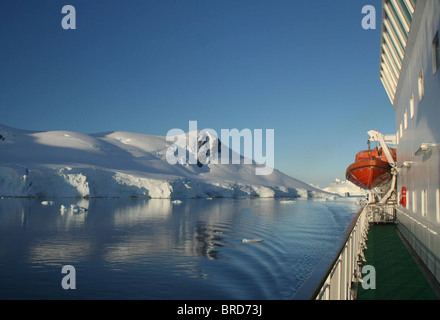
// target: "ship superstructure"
[[409, 70]]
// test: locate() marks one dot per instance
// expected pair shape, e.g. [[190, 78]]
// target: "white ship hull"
[[414, 91]]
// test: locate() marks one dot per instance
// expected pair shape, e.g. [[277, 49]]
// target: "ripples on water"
[[156, 249]]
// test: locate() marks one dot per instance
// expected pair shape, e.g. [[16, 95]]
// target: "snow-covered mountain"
[[124, 164], [345, 187]]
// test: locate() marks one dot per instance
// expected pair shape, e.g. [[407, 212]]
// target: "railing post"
[[340, 279]]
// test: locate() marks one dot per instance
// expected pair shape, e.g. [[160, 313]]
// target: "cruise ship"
[[391, 250]]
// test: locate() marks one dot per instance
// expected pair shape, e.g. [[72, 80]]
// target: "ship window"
[[435, 54], [411, 106], [414, 201], [397, 137], [401, 130], [424, 202], [405, 119], [421, 86]]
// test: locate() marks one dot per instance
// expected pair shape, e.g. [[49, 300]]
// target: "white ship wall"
[[419, 221]]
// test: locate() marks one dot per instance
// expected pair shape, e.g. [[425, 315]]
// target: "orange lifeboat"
[[370, 169]]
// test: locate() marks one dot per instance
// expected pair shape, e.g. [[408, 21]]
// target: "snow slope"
[[124, 164], [343, 187]]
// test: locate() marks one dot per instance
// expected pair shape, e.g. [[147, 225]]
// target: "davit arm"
[[382, 139]]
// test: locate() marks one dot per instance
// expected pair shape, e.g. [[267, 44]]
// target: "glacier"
[[343, 187], [126, 164]]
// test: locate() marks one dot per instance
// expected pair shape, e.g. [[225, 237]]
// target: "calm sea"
[[157, 249]]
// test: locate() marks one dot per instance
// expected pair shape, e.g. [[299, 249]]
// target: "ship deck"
[[399, 275]]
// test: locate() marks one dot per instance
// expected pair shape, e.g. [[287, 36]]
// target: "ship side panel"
[[419, 220]]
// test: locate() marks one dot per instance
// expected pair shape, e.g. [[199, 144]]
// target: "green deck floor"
[[398, 277]]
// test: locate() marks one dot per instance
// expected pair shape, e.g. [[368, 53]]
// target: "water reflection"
[[164, 244], [205, 240]]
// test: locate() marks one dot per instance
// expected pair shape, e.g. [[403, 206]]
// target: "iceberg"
[[251, 240], [344, 188]]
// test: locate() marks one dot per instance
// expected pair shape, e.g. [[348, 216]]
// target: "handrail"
[[339, 279], [312, 283]]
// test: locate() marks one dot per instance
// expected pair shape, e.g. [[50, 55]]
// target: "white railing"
[[345, 272], [341, 279], [381, 213]]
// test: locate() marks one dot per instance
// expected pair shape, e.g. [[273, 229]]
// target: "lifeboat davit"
[[370, 169]]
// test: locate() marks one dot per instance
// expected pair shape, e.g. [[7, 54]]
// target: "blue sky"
[[306, 69]]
